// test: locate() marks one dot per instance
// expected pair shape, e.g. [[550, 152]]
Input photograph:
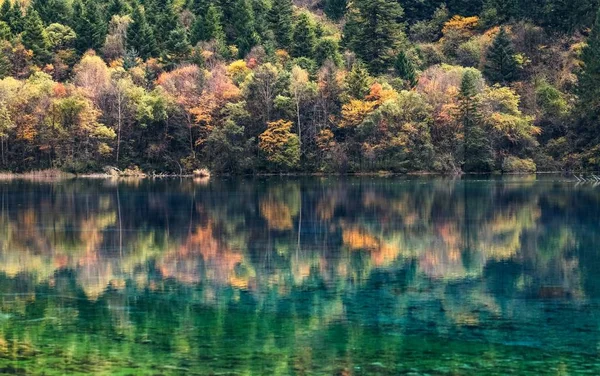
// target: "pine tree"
[[117, 7], [52, 11], [162, 19], [177, 47], [335, 9], [280, 18], [358, 81], [243, 24], [5, 11], [501, 65], [12, 15], [139, 35], [374, 32], [406, 69], [208, 27], [89, 25], [34, 36], [5, 33], [327, 48], [304, 38], [588, 90], [478, 154]]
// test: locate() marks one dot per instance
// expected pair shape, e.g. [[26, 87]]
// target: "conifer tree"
[[304, 38], [34, 36], [89, 25], [501, 65], [335, 9], [588, 89], [177, 46], [162, 19], [208, 27], [117, 7], [406, 69], [358, 81], [327, 48], [12, 15], [5, 33], [139, 35], [374, 32], [478, 154], [5, 11], [52, 11], [280, 18], [243, 24]]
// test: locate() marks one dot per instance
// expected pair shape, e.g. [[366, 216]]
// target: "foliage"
[[281, 147]]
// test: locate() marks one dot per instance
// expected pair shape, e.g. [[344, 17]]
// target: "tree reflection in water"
[[299, 276]]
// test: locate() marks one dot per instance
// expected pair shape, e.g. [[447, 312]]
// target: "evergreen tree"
[[478, 153], [588, 90], [335, 9], [162, 19], [89, 25], [374, 32], [501, 65], [209, 27], [5, 33], [117, 7], [358, 81], [5, 9], [327, 48], [34, 36], [12, 15], [52, 11], [177, 47], [304, 38], [140, 36], [406, 69], [243, 24], [280, 18]]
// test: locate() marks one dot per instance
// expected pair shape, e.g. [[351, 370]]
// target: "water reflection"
[[298, 276]]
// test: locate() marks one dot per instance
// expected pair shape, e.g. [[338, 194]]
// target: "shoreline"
[[55, 174]]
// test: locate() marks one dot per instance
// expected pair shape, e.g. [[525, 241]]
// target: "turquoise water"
[[311, 276]]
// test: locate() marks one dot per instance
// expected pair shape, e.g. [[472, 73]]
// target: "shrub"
[[517, 165]]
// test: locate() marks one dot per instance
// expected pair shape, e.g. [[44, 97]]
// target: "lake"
[[299, 276]]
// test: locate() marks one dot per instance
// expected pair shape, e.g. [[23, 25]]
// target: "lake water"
[[286, 276]]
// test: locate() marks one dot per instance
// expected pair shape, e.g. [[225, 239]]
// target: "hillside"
[[247, 86]]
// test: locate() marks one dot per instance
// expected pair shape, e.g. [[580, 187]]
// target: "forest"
[[300, 86]]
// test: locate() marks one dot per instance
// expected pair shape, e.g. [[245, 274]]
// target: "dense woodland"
[[247, 86]]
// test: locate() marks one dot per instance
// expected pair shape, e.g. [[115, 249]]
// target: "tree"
[[405, 69], [177, 46], [140, 36], [358, 81], [52, 11], [60, 36], [89, 26], [243, 24], [304, 38], [208, 27], [478, 154], [5, 33], [374, 32], [501, 65], [280, 146], [280, 17], [13, 16], [327, 48], [302, 89], [34, 36], [335, 9]]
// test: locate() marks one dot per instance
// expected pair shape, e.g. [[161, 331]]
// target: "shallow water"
[[283, 276]]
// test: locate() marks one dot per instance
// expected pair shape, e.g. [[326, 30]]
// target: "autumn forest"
[[271, 86]]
